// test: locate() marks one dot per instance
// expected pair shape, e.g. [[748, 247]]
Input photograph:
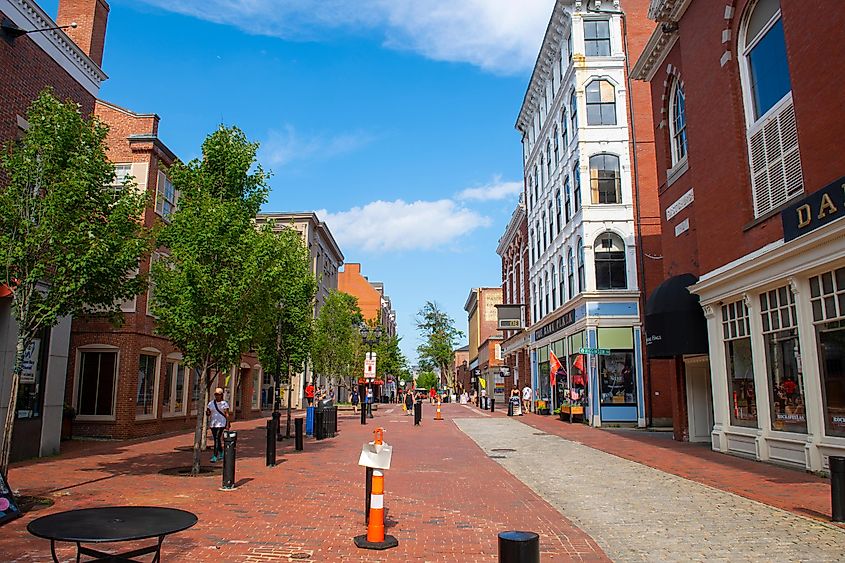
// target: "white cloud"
[[399, 225], [495, 190], [501, 36], [286, 145]]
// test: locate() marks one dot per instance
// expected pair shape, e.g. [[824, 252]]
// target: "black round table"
[[112, 524]]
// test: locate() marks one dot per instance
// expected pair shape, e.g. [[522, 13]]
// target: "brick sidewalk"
[[788, 489], [446, 499]]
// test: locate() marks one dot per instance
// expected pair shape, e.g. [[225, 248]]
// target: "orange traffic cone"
[[375, 537], [437, 416]]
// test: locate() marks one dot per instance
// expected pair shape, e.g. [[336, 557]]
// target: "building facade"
[[752, 198], [326, 260], [68, 62], [482, 324], [374, 303], [592, 213]]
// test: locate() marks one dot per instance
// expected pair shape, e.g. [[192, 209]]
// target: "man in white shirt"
[[218, 419], [526, 399]]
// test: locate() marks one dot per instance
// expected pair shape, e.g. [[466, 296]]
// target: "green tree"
[[439, 337], [285, 335], [390, 359], [427, 380], [208, 286], [337, 342], [70, 241]]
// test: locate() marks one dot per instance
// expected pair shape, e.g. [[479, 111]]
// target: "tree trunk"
[[9, 424], [287, 429], [199, 435]]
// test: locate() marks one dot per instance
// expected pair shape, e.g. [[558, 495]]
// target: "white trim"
[[156, 379], [78, 379]]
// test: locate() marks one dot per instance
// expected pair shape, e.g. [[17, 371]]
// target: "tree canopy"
[[337, 342], [439, 337]]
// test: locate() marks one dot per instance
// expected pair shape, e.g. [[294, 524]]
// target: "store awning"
[[674, 322], [5, 290]]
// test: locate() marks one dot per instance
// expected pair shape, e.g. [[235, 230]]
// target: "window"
[[531, 245], [774, 156], [174, 389], [573, 112], [618, 385], [564, 132], [145, 398], [542, 314], [601, 103], [827, 298], [256, 388], [546, 296], [561, 287], [597, 38], [165, 196], [554, 288], [678, 123], [30, 399], [551, 223], [530, 193], [536, 182], [567, 199], [537, 229], [570, 259], [582, 285], [557, 147], [548, 159], [545, 233], [605, 183], [558, 211], [783, 360], [576, 189], [97, 383], [196, 387], [741, 388], [610, 262], [121, 173], [534, 302]]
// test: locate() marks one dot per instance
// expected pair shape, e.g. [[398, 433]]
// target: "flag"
[[554, 367], [482, 382], [579, 363]]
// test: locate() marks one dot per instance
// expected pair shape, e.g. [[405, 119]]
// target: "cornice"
[[667, 10], [28, 15], [517, 217], [654, 53]]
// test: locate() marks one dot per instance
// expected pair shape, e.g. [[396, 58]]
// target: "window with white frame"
[[546, 296], [597, 38], [774, 157], [554, 287], [573, 112], [256, 388], [678, 122], [601, 103], [548, 159], [742, 391], [605, 181], [609, 257], [556, 146], [542, 292], [576, 189], [545, 233], [534, 301], [562, 283], [558, 211], [582, 279], [827, 300], [175, 389], [783, 360], [147, 376], [551, 222], [564, 132], [570, 277], [165, 196], [122, 172], [97, 383]]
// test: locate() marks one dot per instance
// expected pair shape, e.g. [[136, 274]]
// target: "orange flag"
[[554, 367]]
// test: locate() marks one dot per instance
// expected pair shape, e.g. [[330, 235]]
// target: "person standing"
[[218, 413], [526, 398], [309, 394], [355, 400], [409, 403]]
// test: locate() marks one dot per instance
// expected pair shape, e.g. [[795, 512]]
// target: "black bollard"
[[230, 440], [299, 431], [519, 547], [510, 408], [363, 413], [368, 489], [369, 410], [417, 413], [837, 488], [277, 424], [492, 404], [271, 444]]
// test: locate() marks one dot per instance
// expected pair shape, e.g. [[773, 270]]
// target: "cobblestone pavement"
[[638, 513], [446, 500]]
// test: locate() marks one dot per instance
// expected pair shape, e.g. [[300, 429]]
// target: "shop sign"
[[814, 211], [370, 365], [559, 323], [595, 351], [29, 364], [682, 203]]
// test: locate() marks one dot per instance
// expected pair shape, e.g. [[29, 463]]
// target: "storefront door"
[[699, 401]]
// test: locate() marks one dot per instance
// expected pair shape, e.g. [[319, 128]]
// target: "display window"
[[144, 405], [783, 360], [741, 387], [30, 399], [616, 373], [827, 299]]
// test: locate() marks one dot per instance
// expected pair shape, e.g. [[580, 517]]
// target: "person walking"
[[309, 394], [526, 398], [355, 400], [218, 413], [409, 403]]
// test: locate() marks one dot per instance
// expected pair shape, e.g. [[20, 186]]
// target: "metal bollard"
[[363, 413], [837, 488], [519, 547], [492, 404], [369, 410], [271, 444], [277, 424], [417, 413], [230, 440], [368, 488], [299, 431], [510, 408]]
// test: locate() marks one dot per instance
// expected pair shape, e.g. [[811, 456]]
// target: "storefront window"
[[618, 384], [31, 386], [97, 375], [146, 385], [742, 392], [783, 360], [174, 389], [832, 357]]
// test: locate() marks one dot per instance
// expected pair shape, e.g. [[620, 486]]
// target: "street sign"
[[370, 365], [595, 351]]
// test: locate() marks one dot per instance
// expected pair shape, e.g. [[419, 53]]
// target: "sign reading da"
[[814, 211]]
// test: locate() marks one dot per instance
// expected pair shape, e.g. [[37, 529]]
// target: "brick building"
[[69, 62], [374, 303], [482, 323], [593, 217], [747, 119], [147, 387], [460, 368]]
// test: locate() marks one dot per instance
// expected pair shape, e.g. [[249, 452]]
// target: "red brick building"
[[68, 61], [747, 115], [127, 381]]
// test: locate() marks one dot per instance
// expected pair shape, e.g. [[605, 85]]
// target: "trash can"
[[309, 421]]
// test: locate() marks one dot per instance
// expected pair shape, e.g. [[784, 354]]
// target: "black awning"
[[674, 322]]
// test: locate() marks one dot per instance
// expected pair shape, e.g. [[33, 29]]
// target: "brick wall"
[[350, 280]]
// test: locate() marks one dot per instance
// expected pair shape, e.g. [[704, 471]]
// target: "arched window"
[[605, 183], [546, 296], [556, 147], [573, 111], [570, 274], [678, 122], [609, 256], [764, 50], [530, 193], [567, 198], [552, 233], [548, 159], [564, 132], [562, 282], [582, 281], [531, 238], [576, 188], [558, 211], [554, 288], [534, 302], [536, 182], [537, 230], [601, 103], [545, 233]]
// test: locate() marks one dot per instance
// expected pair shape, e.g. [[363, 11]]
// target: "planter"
[[543, 411]]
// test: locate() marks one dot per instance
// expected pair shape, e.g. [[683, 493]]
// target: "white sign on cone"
[[370, 365]]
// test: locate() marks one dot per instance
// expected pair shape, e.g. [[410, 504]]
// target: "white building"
[[584, 282]]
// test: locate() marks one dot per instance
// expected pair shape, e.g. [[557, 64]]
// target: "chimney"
[[91, 17]]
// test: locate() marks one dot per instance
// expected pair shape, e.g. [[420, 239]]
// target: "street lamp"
[[369, 337]]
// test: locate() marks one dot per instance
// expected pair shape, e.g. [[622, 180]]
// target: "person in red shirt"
[[431, 394], [309, 394]]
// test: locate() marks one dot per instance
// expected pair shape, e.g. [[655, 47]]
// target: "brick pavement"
[[789, 489], [446, 499]]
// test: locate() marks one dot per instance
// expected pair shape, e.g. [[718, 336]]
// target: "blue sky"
[[392, 118]]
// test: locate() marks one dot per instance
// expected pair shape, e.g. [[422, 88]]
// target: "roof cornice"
[[667, 10], [654, 53], [517, 217]]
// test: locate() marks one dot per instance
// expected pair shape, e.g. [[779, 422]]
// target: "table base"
[[125, 557]]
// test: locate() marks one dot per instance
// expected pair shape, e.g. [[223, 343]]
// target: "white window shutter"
[[775, 160]]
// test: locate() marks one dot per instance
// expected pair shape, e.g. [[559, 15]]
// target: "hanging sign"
[[370, 365]]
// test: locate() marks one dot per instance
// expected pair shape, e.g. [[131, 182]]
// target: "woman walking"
[[218, 413]]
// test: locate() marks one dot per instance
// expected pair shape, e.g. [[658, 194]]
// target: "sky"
[[393, 119]]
